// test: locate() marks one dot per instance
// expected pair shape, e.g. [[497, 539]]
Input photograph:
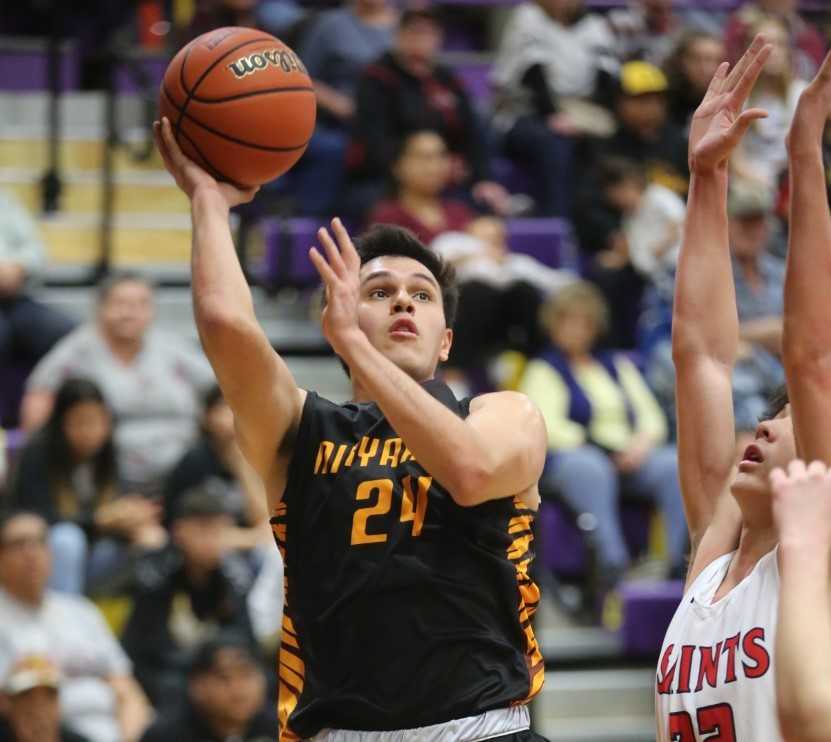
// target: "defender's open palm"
[[719, 122], [340, 272], [188, 175], [812, 113], [802, 504]]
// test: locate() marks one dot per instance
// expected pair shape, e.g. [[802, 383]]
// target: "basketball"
[[240, 103]]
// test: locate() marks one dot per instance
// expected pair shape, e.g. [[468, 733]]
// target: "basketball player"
[[802, 499], [715, 677], [404, 517]]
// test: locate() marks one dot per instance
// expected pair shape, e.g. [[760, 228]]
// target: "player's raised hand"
[[802, 504], [340, 272], [812, 113], [719, 122], [187, 174]]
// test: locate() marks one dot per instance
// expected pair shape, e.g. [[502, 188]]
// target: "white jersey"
[[715, 676]]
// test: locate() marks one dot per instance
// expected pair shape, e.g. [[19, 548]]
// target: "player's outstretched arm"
[[255, 381], [807, 330], [705, 328], [802, 512], [498, 451]]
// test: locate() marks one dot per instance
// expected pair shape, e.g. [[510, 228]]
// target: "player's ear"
[[446, 343]]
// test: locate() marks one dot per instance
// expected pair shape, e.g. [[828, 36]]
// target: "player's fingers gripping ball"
[[241, 105]]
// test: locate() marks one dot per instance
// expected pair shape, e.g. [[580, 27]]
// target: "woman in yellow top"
[[606, 431]]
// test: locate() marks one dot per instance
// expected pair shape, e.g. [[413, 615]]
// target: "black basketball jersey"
[[402, 609]]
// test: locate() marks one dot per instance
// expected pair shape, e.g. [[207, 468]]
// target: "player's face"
[[127, 311], [774, 446], [401, 313]]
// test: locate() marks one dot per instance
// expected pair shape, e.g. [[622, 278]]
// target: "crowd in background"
[[130, 489]]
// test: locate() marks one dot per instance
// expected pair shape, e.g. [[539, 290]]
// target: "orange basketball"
[[240, 103]]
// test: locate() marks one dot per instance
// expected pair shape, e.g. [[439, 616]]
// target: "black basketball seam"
[[263, 147], [212, 65], [253, 94], [184, 87], [217, 173]]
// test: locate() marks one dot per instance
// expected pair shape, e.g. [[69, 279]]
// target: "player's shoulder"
[[505, 400]]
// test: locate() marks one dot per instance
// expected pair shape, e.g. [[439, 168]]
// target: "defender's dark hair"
[[777, 402], [388, 239]]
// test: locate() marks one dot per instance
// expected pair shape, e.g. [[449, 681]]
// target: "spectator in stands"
[[336, 48], [68, 474], [183, 594], [152, 380], [408, 90], [215, 461], [502, 293], [28, 329], [645, 134], [805, 40], [552, 58], [99, 697], [32, 710], [690, 68], [421, 171], [606, 430], [646, 30], [275, 16], [762, 155], [226, 698], [614, 187]]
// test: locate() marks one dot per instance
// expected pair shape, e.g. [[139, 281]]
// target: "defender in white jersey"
[[715, 679]]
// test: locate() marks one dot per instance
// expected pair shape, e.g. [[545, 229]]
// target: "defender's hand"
[[188, 175], [812, 113], [802, 505], [340, 272], [719, 123]]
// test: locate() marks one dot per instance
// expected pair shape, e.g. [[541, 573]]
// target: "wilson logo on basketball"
[[248, 65]]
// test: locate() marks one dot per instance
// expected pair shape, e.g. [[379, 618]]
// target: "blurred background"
[[540, 146]]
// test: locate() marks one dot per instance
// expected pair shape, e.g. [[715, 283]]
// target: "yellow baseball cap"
[[642, 78]]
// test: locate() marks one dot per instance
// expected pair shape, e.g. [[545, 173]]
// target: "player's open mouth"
[[404, 328], [752, 455]]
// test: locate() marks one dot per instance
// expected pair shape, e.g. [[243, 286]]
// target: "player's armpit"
[[511, 446]]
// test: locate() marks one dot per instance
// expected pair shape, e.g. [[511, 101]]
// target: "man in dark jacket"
[[407, 90]]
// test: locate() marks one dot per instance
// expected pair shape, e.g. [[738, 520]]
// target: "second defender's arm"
[[802, 512], [806, 338]]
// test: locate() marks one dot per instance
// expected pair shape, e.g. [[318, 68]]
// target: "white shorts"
[[494, 723]]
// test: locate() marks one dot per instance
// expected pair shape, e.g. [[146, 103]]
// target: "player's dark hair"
[[419, 13], [777, 402], [388, 239]]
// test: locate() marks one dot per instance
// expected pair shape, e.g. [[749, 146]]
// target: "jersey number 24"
[[413, 507]]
